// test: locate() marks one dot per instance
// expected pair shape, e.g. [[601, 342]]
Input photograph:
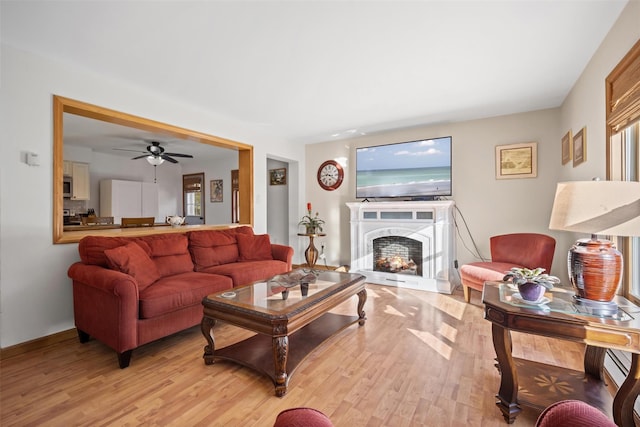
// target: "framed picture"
[[278, 176], [567, 152], [517, 160], [216, 190], [580, 147]]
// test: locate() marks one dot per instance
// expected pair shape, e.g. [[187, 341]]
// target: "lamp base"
[[595, 269], [597, 308]]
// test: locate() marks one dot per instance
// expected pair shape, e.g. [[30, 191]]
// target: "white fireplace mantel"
[[430, 223]]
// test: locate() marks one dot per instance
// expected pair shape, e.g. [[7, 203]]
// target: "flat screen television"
[[413, 169]]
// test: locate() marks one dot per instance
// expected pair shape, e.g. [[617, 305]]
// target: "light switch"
[[33, 159]]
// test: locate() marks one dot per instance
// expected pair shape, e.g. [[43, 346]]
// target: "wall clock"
[[330, 175]]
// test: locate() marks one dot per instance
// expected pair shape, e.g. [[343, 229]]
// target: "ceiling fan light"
[[155, 161]]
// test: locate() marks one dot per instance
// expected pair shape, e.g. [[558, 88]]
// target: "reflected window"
[[193, 197]]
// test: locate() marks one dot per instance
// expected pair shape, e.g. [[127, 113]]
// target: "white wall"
[[35, 292], [278, 205], [490, 206], [585, 104]]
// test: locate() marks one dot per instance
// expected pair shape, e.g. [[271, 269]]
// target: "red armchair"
[[528, 250]]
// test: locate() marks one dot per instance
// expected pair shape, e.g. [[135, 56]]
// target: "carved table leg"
[[280, 351], [206, 326], [508, 394], [594, 361], [362, 298], [627, 394]]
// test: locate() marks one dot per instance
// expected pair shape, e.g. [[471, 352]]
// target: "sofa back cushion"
[[133, 260], [170, 252], [254, 248], [91, 249], [215, 247]]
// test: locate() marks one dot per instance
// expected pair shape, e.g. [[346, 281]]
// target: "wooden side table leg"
[[280, 352], [508, 393], [206, 326], [627, 394], [362, 299], [594, 361]]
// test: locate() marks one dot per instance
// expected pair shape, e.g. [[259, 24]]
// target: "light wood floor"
[[422, 359]]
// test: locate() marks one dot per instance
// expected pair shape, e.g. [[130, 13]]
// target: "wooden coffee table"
[[289, 326]]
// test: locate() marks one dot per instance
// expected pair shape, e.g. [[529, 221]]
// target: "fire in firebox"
[[396, 264]]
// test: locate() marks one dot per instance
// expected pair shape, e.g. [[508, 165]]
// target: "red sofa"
[[129, 291]]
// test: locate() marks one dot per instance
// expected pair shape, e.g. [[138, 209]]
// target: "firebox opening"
[[397, 254]]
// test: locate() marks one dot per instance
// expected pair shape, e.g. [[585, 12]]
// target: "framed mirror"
[[65, 106]]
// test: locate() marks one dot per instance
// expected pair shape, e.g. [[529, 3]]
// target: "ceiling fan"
[[156, 155]]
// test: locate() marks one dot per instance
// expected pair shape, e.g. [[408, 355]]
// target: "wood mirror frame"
[[198, 180], [63, 105]]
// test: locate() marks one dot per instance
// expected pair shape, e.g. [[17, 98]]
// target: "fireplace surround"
[[404, 244]]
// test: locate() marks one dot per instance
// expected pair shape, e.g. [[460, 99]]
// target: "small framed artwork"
[[517, 160], [567, 152], [278, 176], [580, 147], [216, 190]]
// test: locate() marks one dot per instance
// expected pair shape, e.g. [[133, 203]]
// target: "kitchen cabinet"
[[67, 168], [120, 198], [80, 175]]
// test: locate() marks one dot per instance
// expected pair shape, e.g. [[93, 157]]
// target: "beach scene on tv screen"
[[409, 169]]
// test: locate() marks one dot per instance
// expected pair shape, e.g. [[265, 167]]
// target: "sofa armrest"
[[282, 253], [105, 305]]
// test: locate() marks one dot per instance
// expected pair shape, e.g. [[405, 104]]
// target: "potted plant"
[[313, 224], [532, 283]]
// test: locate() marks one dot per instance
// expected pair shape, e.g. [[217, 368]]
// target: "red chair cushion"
[[302, 417], [573, 413], [476, 273]]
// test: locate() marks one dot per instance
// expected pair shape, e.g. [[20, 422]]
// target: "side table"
[[540, 383], [311, 254]]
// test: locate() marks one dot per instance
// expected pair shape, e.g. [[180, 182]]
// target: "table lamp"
[[610, 208]]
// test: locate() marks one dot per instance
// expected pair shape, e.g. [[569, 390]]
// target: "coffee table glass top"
[[272, 297], [559, 300]]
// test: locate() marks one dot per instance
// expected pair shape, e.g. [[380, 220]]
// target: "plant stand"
[[311, 253]]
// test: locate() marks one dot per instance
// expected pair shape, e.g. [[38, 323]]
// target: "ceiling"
[[122, 141], [311, 71]]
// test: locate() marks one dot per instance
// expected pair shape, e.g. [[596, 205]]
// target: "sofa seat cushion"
[[476, 273], [243, 273], [182, 290], [133, 260]]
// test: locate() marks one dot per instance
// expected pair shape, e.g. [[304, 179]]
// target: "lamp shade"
[[609, 208], [155, 161]]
